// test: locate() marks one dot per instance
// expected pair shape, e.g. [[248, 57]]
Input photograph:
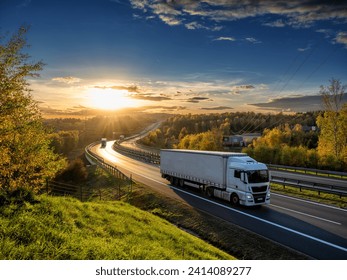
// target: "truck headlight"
[[249, 196], [268, 195]]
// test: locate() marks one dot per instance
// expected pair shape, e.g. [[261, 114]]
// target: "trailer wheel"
[[235, 199], [181, 183], [172, 180]]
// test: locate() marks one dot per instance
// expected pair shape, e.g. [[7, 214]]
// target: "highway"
[[317, 230]]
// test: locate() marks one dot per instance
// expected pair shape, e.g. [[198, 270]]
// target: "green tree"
[[26, 159]]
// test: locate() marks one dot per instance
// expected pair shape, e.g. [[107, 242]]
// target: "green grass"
[[65, 228]]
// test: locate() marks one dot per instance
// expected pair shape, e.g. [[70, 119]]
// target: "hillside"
[[65, 228]]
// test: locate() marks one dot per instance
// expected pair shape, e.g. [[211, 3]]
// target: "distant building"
[[233, 141], [239, 140]]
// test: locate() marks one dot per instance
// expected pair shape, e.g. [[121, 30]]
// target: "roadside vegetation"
[[64, 228]]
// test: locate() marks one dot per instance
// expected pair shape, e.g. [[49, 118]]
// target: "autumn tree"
[[26, 159], [332, 123]]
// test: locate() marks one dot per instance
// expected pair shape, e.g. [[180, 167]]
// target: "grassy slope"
[[65, 228]]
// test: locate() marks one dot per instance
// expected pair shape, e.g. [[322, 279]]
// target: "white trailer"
[[234, 177]]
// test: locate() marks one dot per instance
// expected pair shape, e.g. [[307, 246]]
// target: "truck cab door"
[[243, 177]]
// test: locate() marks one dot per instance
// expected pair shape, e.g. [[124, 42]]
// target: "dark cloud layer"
[[217, 108], [295, 104]]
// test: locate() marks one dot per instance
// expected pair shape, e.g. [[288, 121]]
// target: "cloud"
[[296, 13], [197, 99], [127, 88], [245, 87], [276, 23], [150, 97], [253, 40], [161, 108], [217, 108], [237, 90], [327, 32], [170, 20], [195, 25], [296, 104], [341, 38], [225, 39], [67, 80], [304, 49]]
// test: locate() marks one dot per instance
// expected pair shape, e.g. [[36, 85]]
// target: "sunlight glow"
[[109, 99]]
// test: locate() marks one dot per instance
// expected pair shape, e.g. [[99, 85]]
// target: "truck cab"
[[103, 142], [248, 181]]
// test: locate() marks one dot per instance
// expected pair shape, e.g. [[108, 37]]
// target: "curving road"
[[316, 230]]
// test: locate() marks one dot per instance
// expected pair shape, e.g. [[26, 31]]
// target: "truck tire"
[[172, 180], [235, 199], [209, 192], [181, 183]]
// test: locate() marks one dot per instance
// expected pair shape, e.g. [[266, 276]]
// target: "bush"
[[18, 196], [76, 172]]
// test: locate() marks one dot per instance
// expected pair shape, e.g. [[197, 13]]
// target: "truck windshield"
[[258, 176]]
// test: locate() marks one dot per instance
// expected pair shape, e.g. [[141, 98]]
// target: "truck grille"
[[259, 198], [259, 189]]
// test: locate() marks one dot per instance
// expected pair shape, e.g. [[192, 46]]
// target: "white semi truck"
[[234, 177], [103, 142]]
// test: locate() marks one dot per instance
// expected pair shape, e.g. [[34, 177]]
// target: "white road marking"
[[305, 214], [310, 202]]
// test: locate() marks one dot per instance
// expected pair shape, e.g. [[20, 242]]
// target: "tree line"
[[183, 131], [312, 139]]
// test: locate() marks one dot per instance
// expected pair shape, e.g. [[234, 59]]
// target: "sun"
[[109, 99]]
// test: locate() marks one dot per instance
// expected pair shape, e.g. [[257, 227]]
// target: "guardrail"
[[301, 184], [96, 159], [141, 155], [317, 172], [313, 186]]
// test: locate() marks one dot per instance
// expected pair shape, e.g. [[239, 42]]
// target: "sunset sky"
[[184, 55]]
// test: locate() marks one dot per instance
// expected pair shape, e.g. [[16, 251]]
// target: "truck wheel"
[[209, 192], [235, 199]]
